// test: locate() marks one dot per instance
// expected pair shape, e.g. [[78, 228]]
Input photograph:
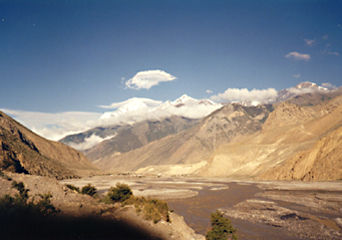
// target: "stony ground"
[[305, 211]]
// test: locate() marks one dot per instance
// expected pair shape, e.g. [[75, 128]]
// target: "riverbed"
[[258, 210]]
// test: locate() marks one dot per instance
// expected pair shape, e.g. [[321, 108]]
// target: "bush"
[[156, 210], [119, 193], [73, 188], [23, 192], [44, 205], [89, 190], [221, 228], [152, 209], [19, 205]]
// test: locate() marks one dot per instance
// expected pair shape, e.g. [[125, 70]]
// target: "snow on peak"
[[132, 103], [187, 100], [139, 109], [306, 85], [183, 100], [303, 88]]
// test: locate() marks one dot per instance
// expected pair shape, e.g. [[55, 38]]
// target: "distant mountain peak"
[[315, 86], [187, 100], [307, 84], [304, 88], [184, 99]]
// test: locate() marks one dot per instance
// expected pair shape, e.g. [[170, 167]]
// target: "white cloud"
[[309, 42], [298, 56], [300, 91], [310, 87], [139, 109], [208, 91], [148, 79], [296, 75], [133, 103], [325, 37], [243, 95], [89, 142], [333, 53], [55, 126], [328, 85]]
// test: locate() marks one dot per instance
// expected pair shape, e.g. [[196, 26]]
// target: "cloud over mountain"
[[54, 126], [139, 109], [148, 79], [254, 96], [89, 142]]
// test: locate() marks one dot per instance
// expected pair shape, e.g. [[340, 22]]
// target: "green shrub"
[[221, 228], [119, 193], [152, 209], [89, 190], [73, 188], [156, 210]]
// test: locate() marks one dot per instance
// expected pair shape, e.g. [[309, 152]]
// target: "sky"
[[76, 55]]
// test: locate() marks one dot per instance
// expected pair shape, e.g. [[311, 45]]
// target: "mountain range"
[[297, 137], [240, 140]]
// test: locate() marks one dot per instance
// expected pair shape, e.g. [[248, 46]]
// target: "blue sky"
[[60, 55]]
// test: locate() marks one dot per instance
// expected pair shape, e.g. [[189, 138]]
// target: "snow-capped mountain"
[[139, 109], [304, 88], [127, 116]]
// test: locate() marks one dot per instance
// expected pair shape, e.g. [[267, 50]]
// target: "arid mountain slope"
[[323, 161], [23, 151], [287, 145], [124, 138], [193, 146]]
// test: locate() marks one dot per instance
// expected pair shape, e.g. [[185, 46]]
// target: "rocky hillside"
[[322, 161], [23, 151], [192, 146], [295, 143]]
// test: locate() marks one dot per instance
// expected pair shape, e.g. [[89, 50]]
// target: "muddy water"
[[197, 210]]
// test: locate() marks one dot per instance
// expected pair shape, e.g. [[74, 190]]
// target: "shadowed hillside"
[[21, 225], [21, 150]]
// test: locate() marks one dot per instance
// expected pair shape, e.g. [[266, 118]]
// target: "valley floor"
[[259, 210]]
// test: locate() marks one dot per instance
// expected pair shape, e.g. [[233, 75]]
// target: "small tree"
[[119, 193], [89, 190], [221, 228]]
